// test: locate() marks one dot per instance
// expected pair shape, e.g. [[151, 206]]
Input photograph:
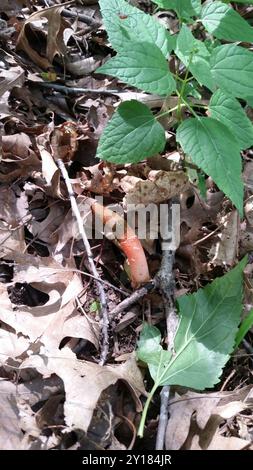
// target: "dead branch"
[[102, 295], [164, 281]]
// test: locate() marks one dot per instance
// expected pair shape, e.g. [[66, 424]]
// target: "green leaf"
[[223, 22], [229, 111], [95, 306], [248, 2], [131, 135], [205, 337], [138, 26], [150, 350], [184, 8], [232, 70], [143, 66], [249, 100], [214, 149], [194, 56], [246, 324]]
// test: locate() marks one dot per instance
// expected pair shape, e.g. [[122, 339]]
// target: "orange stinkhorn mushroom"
[[128, 243]]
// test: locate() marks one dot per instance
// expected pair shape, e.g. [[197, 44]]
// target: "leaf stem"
[[158, 116], [145, 409], [187, 105]]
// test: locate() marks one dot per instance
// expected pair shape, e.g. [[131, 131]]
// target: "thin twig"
[[135, 297], [165, 282], [74, 90], [163, 417], [81, 17], [102, 295]]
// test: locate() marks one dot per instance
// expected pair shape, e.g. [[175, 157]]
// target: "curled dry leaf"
[[55, 42], [84, 382], [19, 158]]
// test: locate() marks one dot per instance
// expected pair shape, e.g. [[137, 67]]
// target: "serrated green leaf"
[[131, 135], [223, 22], [184, 8], [229, 111], [194, 56], [137, 25], [232, 70], [214, 149], [141, 65], [205, 337]]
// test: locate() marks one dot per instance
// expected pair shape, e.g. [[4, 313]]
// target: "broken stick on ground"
[[102, 295]]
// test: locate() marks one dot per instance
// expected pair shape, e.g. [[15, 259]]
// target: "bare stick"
[[81, 17], [165, 282], [103, 303], [74, 90], [137, 295]]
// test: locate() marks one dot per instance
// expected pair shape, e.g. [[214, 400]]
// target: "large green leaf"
[[184, 8], [229, 111], [131, 135], [205, 337], [123, 21], [232, 70], [195, 56], [214, 149], [223, 22], [142, 65]]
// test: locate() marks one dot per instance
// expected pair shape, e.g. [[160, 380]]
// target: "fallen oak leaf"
[[58, 317], [84, 382]]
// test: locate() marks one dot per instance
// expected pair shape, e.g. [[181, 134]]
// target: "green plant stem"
[[166, 113], [145, 410], [187, 105], [181, 79]]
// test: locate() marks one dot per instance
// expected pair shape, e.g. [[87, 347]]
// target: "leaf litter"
[[52, 385]]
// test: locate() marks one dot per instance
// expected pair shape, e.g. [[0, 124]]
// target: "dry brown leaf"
[[55, 43], [19, 158], [82, 67], [13, 215], [185, 406], [201, 416], [15, 76], [12, 344], [10, 430], [68, 230], [159, 187], [84, 382], [225, 251], [228, 443], [248, 210], [58, 317], [12, 5]]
